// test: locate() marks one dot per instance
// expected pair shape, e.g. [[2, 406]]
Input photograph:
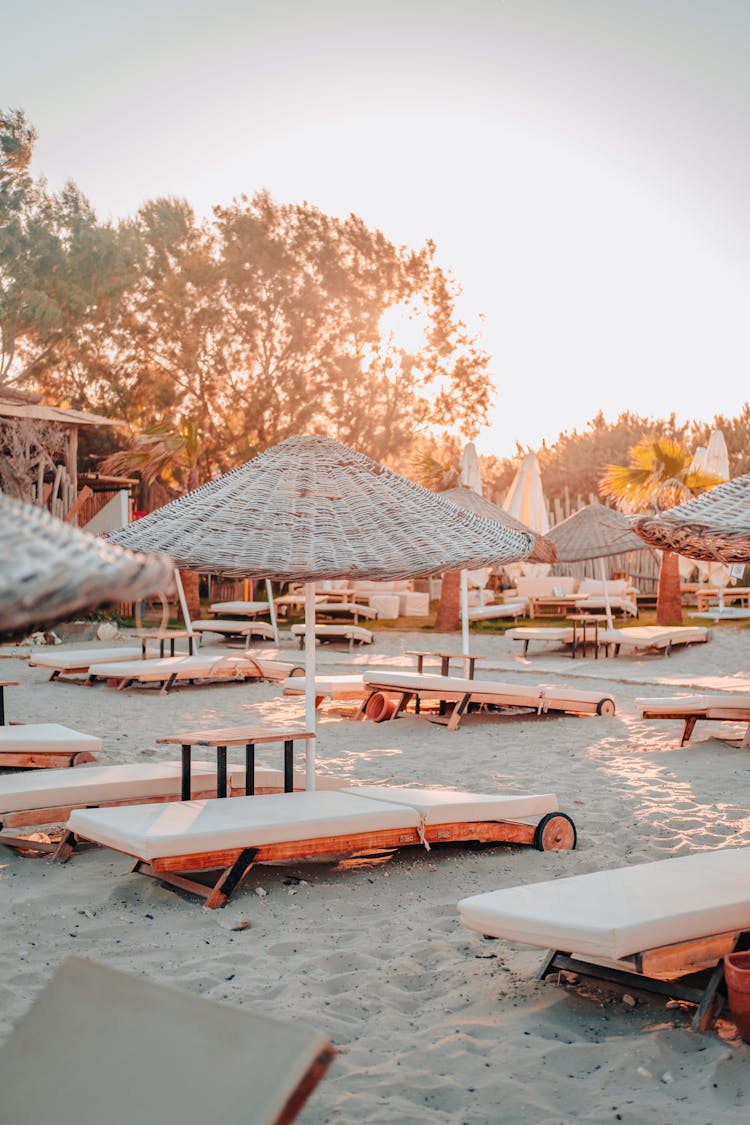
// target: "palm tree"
[[439, 477], [659, 474], [167, 455]]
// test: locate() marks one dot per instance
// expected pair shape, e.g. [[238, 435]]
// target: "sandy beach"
[[433, 1024]]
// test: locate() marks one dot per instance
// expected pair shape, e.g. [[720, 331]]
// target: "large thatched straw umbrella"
[[50, 570], [713, 527], [311, 509], [594, 532]]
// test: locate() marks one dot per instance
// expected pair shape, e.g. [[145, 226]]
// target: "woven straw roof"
[[712, 526], [593, 532], [309, 508], [50, 570], [542, 552]]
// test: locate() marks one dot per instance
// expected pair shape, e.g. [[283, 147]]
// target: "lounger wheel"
[[555, 832], [605, 707]]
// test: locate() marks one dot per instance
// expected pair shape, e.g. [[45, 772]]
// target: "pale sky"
[[582, 165]]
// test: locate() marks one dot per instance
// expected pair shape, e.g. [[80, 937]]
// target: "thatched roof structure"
[[593, 532], [542, 552], [50, 571], [19, 404], [310, 508], [714, 526]]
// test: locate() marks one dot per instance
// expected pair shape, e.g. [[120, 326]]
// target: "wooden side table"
[[581, 623], [249, 737], [162, 636], [445, 658]]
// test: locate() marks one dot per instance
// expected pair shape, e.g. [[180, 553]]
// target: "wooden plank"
[[685, 956], [236, 736], [46, 760]]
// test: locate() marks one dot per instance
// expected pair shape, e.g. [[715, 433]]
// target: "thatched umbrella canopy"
[[310, 509], [543, 550], [714, 526], [50, 570], [593, 532]]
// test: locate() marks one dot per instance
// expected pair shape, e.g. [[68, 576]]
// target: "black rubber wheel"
[[605, 707], [555, 832]]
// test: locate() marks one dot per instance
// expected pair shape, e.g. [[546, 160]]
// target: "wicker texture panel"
[[542, 552], [712, 526], [309, 508], [593, 532], [50, 570]]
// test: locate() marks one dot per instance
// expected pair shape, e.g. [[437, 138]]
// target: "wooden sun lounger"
[[496, 610], [100, 1045], [45, 746], [652, 638], [689, 709], [205, 667], [328, 687], [66, 662], [660, 926], [352, 610], [354, 634], [240, 608], [464, 693], [170, 842], [237, 627]]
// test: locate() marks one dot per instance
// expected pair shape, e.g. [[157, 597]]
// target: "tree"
[[658, 472]]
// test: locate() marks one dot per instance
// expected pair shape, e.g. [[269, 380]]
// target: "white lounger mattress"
[[44, 789], [240, 608], [189, 827], [190, 667], [41, 738], [334, 687], [542, 696], [654, 636], [237, 626], [696, 704], [63, 659], [349, 632], [613, 914]]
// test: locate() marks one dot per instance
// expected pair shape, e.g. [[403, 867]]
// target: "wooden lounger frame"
[[555, 831], [688, 970], [461, 701], [44, 759], [708, 714]]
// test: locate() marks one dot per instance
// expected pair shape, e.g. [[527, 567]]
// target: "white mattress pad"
[[41, 738], [61, 659], [630, 909]]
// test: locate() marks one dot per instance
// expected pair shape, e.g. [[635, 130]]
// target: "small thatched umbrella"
[[309, 509], [594, 532], [50, 570], [713, 527]]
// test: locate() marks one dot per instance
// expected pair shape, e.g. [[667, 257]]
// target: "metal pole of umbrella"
[[607, 606], [183, 602], [272, 611], [310, 715], [465, 612]]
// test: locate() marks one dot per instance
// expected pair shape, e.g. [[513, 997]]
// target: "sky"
[[583, 166]]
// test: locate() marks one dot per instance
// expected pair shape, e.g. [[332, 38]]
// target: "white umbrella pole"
[[310, 683], [607, 606], [465, 612], [272, 611], [183, 601]]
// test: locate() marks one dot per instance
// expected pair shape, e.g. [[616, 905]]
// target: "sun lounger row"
[[354, 634], [165, 671], [633, 638]]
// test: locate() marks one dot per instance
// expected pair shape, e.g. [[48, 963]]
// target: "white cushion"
[[544, 696], [616, 913], [497, 609], [537, 633], [542, 587], [189, 667], [695, 704], [654, 636], [453, 806], [61, 659], [191, 827], [239, 625], [41, 738], [386, 606], [345, 609], [414, 603], [616, 587], [240, 609], [334, 687], [44, 789]]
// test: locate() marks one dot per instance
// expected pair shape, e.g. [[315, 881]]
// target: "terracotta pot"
[[737, 976], [380, 707]]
